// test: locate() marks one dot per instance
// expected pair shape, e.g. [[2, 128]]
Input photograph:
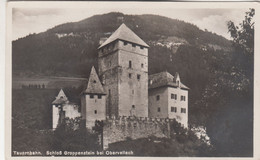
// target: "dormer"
[[177, 79]]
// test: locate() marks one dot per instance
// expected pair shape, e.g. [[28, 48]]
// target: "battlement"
[[121, 119], [121, 128]]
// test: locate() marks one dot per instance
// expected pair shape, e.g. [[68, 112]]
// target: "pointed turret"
[[94, 85], [93, 100], [125, 34], [61, 98]]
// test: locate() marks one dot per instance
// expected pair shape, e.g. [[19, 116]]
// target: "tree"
[[243, 36], [243, 42]]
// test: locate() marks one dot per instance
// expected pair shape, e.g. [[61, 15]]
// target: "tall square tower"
[[123, 68]]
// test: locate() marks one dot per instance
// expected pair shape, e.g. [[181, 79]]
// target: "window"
[[95, 81], [183, 98], [91, 96], [125, 43], [158, 97], [141, 47], [130, 75], [138, 76], [99, 96], [183, 110], [133, 106], [178, 83], [133, 45], [142, 65], [95, 111], [174, 109], [174, 96], [159, 109], [130, 64]]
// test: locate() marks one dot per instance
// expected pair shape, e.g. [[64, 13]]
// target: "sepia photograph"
[[131, 79]]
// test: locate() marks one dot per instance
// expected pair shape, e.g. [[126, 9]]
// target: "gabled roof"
[[164, 79], [61, 98], [94, 85], [126, 34]]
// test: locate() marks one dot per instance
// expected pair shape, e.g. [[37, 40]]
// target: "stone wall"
[[120, 129]]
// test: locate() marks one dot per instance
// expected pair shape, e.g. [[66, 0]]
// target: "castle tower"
[[57, 109], [93, 100], [62, 108], [123, 66]]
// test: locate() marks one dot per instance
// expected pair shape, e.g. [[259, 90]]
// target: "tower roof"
[[94, 85], [61, 98], [165, 79], [126, 34]]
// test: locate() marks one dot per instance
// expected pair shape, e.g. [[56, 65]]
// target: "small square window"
[[138, 76], [95, 111], [142, 65], [91, 96], [99, 96], [133, 106], [125, 43], [159, 109], [130, 75], [174, 109], [133, 45], [174, 96], [183, 110], [94, 81], [158, 97], [141, 47]]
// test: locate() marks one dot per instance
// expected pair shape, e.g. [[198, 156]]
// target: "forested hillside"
[[217, 72]]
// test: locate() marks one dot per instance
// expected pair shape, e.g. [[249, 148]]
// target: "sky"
[[28, 20]]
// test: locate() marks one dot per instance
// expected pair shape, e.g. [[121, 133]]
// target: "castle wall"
[[95, 109], [108, 72], [120, 129], [180, 117], [110, 85], [83, 106], [162, 103], [55, 116], [133, 90], [128, 46]]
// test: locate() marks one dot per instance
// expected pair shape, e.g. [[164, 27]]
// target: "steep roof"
[[164, 79], [61, 98], [94, 85], [126, 34]]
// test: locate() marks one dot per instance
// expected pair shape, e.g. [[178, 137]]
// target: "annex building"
[[122, 88]]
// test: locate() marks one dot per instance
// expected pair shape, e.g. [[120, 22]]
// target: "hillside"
[[220, 96], [71, 49]]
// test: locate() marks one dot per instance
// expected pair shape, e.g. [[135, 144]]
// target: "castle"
[[122, 89]]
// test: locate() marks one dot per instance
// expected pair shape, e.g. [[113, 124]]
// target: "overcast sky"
[[35, 20]]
